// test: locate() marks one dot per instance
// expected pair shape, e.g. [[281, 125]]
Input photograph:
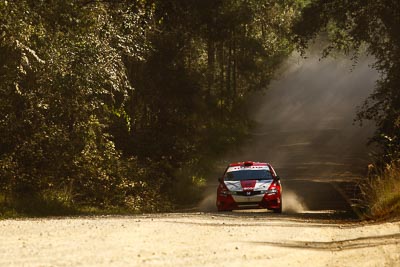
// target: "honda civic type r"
[[249, 185]]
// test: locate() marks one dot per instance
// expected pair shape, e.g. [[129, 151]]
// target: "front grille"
[[250, 204], [252, 193]]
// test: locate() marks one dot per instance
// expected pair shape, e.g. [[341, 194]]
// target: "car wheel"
[[278, 210]]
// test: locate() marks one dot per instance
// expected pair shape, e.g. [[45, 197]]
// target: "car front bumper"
[[261, 201]]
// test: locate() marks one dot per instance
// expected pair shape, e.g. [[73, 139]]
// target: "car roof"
[[243, 165], [248, 163]]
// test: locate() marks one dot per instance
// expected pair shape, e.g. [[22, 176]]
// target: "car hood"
[[248, 185]]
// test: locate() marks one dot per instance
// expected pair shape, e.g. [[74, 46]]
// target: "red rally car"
[[249, 185]]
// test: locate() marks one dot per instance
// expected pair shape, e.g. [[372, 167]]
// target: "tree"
[[112, 102], [206, 58], [62, 71]]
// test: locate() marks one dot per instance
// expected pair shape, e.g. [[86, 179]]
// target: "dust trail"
[[305, 120], [292, 203], [208, 203], [305, 128]]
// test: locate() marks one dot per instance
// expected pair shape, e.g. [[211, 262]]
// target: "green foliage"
[[128, 103], [61, 67], [207, 57]]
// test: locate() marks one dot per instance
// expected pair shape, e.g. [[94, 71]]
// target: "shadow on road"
[[320, 195], [357, 243]]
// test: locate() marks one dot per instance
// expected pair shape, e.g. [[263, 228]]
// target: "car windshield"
[[248, 175]]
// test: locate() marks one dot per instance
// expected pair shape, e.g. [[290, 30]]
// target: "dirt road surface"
[[200, 239]]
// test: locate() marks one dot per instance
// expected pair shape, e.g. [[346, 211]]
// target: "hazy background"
[[305, 121], [305, 129]]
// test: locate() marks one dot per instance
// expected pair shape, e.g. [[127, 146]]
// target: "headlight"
[[225, 192], [272, 192]]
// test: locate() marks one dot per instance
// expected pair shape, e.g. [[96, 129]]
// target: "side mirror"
[[277, 178], [220, 179]]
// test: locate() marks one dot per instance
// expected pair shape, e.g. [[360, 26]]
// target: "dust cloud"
[[304, 127], [292, 203], [208, 202], [305, 121]]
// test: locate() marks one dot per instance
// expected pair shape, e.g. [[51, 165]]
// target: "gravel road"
[[200, 239]]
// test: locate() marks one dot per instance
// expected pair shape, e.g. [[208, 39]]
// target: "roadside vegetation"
[[382, 192]]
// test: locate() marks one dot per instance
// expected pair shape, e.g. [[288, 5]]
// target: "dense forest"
[[110, 103]]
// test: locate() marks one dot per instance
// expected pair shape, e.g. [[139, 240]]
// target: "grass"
[[382, 193], [56, 204], [34, 207], [48, 208]]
